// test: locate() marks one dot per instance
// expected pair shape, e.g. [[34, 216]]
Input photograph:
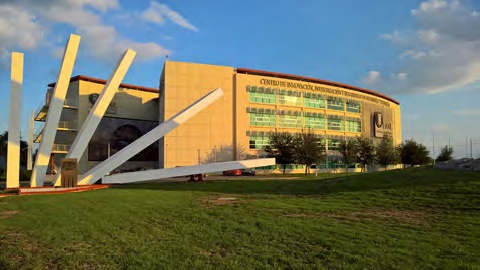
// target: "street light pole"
[[433, 133]]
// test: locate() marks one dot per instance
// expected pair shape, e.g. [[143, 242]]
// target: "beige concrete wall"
[[185, 83]]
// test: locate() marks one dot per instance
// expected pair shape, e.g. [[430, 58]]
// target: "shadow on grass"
[[398, 179]]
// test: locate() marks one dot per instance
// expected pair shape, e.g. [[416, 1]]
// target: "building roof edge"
[[100, 81], [313, 80]]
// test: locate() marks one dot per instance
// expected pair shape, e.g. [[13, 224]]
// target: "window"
[[314, 121], [293, 167], [314, 101], [335, 104], [336, 122], [262, 117], [271, 167], [290, 119], [261, 94], [291, 98], [353, 106], [257, 142], [334, 143], [354, 125]]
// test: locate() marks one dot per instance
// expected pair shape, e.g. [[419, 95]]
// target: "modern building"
[[237, 126], [132, 112], [257, 103]]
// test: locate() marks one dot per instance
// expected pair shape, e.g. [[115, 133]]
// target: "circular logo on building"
[[93, 98], [378, 119]]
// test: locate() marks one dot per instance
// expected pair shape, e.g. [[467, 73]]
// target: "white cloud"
[[373, 77], [430, 6], [15, 20], [441, 53], [401, 76], [395, 37], [157, 12], [153, 14], [103, 41]]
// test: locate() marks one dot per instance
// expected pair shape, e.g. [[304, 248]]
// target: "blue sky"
[[426, 54]]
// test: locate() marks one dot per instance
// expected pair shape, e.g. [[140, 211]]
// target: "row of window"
[[293, 98], [259, 142], [331, 164], [316, 121]]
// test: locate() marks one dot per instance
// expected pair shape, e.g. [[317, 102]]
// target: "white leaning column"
[[96, 113], [13, 148], [30, 141], [150, 137], [54, 112]]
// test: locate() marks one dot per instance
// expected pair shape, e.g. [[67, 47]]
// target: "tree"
[[308, 149], [225, 152], [386, 153], [365, 152], [413, 153], [348, 149], [281, 148], [445, 154], [4, 147]]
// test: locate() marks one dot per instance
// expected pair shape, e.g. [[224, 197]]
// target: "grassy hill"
[[407, 219]]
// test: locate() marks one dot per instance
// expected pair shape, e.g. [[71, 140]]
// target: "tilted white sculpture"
[[81, 141]]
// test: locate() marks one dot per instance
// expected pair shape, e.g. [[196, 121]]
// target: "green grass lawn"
[[410, 219]]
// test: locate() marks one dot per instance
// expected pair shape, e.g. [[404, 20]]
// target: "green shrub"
[[25, 175]]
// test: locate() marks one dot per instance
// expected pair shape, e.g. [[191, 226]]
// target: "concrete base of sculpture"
[[153, 175]]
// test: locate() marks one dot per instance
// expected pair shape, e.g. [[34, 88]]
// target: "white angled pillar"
[[54, 112], [30, 141], [141, 143], [13, 148], [154, 175], [96, 113]]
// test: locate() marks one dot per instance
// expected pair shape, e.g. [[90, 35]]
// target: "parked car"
[[232, 173], [248, 172]]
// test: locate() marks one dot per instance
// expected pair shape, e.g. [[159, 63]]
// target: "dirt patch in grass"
[[7, 214], [409, 216], [228, 199]]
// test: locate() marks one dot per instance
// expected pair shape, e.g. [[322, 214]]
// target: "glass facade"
[[292, 98], [258, 142], [335, 103], [334, 143], [262, 95], [290, 119], [354, 125], [314, 101], [262, 117], [336, 122], [314, 120], [353, 106]]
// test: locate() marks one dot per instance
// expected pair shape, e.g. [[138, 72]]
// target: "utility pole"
[[466, 147], [471, 155], [433, 133], [471, 149], [198, 153]]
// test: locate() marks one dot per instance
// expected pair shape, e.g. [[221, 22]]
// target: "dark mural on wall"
[[113, 134]]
